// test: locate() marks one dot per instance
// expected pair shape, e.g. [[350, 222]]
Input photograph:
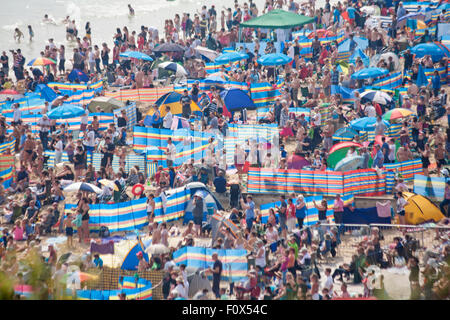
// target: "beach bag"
[[77, 221], [104, 232]]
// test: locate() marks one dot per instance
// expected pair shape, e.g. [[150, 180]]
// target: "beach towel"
[[103, 248], [384, 209]]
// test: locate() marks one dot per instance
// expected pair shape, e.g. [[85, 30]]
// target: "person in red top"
[[158, 174], [323, 56], [290, 215]]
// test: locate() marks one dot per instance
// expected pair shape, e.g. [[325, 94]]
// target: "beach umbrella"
[[365, 124], [368, 73], [380, 97], [349, 163], [157, 249], [412, 15], [169, 47], [236, 99], [344, 134], [10, 94], [136, 55], [274, 59], [82, 186], [41, 61], [339, 152], [436, 52], [422, 80], [397, 113], [175, 67], [110, 184], [321, 33], [297, 162], [208, 53], [230, 57], [66, 111], [361, 43]]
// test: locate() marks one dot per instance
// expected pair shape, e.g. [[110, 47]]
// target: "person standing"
[[44, 124], [216, 271], [401, 204], [300, 210], [171, 152], [290, 215], [168, 118], [282, 214]]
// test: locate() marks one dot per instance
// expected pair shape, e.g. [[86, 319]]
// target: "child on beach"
[[69, 229]]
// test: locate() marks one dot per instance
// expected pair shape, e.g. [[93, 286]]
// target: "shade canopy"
[[236, 99], [274, 59], [368, 73], [277, 19]]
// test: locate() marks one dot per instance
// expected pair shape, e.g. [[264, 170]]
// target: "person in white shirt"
[[317, 118], [171, 152], [260, 259], [181, 289], [305, 256], [17, 114], [58, 150], [168, 118], [392, 151], [91, 59]]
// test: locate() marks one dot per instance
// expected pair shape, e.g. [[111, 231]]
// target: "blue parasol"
[[365, 124], [136, 55], [432, 49], [274, 59], [368, 73], [231, 57]]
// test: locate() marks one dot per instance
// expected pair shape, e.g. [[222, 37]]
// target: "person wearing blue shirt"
[[436, 83], [249, 208], [300, 210], [353, 44], [401, 11], [379, 158], [283, 151], [336, 15]]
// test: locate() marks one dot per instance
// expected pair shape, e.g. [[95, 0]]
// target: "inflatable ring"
[[137, 190]]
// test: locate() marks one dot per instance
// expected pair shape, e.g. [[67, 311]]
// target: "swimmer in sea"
[[131, 10], [31, 33], [18, 34], [48, 20]]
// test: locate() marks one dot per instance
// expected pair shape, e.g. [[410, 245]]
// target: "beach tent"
[[78, 75], [46, 93], [106, 104], [339, 152], [344, 47], [236, 99], [172, 99], [420, 209], [277, 19], [130, 262]]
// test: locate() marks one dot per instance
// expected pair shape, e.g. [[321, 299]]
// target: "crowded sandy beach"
[[277, 150]]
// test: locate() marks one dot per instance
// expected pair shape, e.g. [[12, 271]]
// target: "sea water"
[[104, 15]]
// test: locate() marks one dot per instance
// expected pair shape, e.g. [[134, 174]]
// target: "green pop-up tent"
[[277, 19]]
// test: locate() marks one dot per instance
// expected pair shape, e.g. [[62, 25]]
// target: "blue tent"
[[362, 43], [236, 99], [130, 262], [46, 93], [78, 75], [66, 111], [422, 80], [359, 53]]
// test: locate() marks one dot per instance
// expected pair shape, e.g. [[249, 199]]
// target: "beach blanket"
[[103, 248]]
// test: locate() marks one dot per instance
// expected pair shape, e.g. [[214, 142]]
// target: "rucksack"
[[103, 232]]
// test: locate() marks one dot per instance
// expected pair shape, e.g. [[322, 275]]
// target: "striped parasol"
[[41, 62]]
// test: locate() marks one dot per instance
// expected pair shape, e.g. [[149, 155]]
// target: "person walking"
[[216, 271]]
